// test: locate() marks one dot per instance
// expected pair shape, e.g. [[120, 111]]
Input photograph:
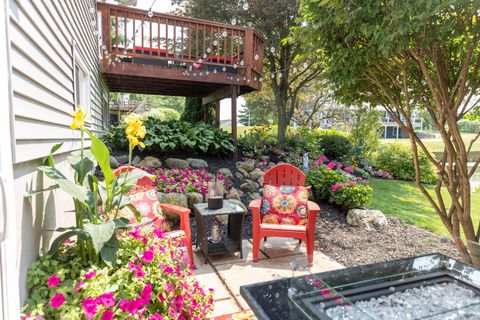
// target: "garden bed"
[[352, 246]]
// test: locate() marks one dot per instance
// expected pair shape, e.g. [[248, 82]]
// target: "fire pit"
[[430, 287]]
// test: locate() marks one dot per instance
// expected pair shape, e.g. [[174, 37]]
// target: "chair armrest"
[[313, 209], [255, 206], [183, 213]]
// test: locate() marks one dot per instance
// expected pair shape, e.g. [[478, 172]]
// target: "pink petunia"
[[107, 315], [132, 307], [168, 270], [106, 299], [90, 275], [89, 307], [156, 316], [148, 256], [79, 285], [53, 280], [123, 305], [57, 300], [331, 165], [139, 274], [348, 169], [325, 292]]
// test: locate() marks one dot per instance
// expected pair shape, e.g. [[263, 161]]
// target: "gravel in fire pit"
[[352, 246]]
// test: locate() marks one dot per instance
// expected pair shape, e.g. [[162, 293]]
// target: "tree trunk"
[[282, 122]]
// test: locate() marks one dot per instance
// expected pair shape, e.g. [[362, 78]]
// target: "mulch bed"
[[352, 246]]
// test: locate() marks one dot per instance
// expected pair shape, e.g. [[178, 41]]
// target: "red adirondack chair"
[[287, 175], [145, 183]]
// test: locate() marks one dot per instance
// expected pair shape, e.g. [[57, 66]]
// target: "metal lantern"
[[215, 195]]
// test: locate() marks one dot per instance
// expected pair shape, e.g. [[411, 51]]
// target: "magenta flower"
[[53, 281], [325, 292], [79, 285], [107, 315], [139, 274], [89, 307], [57, 300], [156, 316], [132, 307], [106, 299], [123, 305], [90, 275], [168, 270], [348, 169], [331, 165], [148, 256]]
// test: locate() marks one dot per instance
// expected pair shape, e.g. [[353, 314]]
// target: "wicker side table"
[[232, 240]]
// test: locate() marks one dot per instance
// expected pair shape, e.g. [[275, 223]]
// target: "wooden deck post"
[[205, 113], [234, 121], [217, 113]]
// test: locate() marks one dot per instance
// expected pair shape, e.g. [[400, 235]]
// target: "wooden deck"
[[171, 55]]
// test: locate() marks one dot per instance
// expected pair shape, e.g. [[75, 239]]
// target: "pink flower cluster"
[[322, 160], [335, 187]]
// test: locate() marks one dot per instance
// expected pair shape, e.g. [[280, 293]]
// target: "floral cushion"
[[284, 205], [146, 202]]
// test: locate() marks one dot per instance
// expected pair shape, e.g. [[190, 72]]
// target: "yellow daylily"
[[78, 121], [133, 119], [133, 128], [141, 132]]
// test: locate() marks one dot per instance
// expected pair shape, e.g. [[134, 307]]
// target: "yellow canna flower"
[[133, 118], [133, 141], [78, 121], [133, 128]]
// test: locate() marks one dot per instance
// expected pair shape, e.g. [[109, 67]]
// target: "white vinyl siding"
[[47, 39]]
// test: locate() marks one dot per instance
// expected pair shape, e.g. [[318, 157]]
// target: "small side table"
[[232, 241]]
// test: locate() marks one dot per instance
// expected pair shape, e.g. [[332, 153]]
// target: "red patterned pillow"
[[146, 202], [284, 205]]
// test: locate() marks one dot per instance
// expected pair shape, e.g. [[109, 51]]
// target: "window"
[[81, 83]]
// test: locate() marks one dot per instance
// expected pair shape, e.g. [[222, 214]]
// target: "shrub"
[[162, 114], [398, 160], [321, 179], [175, 136], [352, 194], [337, 146], [147, 283]]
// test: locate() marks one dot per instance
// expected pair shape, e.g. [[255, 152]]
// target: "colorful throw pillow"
[[146, 202], [284, 205]]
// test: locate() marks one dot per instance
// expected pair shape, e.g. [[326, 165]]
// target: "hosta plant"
[[148, 282]]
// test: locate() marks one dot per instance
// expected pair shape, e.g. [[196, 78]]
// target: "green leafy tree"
[[259, 109], [274, 20], [407, 55], [365, 133], [193, 111]]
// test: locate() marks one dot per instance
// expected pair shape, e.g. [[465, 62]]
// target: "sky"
[[166, 6]]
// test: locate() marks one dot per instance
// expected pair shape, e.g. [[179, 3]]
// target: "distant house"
[[392, 130], [50, 61]]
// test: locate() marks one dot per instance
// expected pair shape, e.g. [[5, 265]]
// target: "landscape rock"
[[174, 163], [247, 165], [254, 195], [265, 158], [226, 172], [243, 172], [239, 203], [173, 198], [260, 181], [114, 163], [150, 162], [123, 158], [367, 219], [136, 160], [233, 194], [249, 186], [256, 174], [239, 175], [197, 163], [193, 198]]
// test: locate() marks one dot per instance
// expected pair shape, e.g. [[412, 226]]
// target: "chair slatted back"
[[145, 182], [284, 174]]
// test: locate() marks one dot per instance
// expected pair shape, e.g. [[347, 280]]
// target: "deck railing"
[[130, 33]]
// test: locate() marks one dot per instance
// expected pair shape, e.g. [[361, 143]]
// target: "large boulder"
[[193, 198], [243, 172], [256, 174], [136, 160], [254, 195], [247, 165], [197, 163], [226, 172], [367, 219], [249, 186], [233, 194], [150, 162], [114, 163], [173, 198], [174, 163]]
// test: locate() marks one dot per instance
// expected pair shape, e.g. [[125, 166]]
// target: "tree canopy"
[[407, 55]]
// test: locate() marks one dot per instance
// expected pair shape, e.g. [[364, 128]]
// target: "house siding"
[[40, 38]]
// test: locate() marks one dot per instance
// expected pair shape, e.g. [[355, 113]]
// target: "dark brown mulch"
[[352, 246]]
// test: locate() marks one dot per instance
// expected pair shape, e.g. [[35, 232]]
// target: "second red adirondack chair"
[[284, 175]]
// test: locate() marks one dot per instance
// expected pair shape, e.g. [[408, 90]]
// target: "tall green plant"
[[96, 202]]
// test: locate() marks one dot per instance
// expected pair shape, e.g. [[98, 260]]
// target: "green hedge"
[[175, 136]]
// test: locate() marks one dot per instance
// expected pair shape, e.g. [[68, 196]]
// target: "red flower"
[[53, 281], [57, 301]]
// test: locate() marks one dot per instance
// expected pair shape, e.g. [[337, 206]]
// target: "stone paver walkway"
[[225, 274]]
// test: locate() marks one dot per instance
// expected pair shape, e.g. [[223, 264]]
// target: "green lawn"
[[436, 144], [402, 199]]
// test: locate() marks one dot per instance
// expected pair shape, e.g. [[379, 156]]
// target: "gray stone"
[[173, 163], [114, 163], [256, 174], [226, 172], [173, 198], [247, 165], [254, 195], [123, 158], [150, 162], [239, 175], [260, 181], [194, 197], [233, 194], [197, 163], [265, 158], [243, 172], [367, 219], [249, 186], [238, 202], [136, 160]]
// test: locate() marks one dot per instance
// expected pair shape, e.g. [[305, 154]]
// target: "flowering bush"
[[337, 183], [352, 194], [148, 282], [187, 180]]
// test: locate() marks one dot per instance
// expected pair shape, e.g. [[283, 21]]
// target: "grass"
[[402, 199], [436, 144]]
